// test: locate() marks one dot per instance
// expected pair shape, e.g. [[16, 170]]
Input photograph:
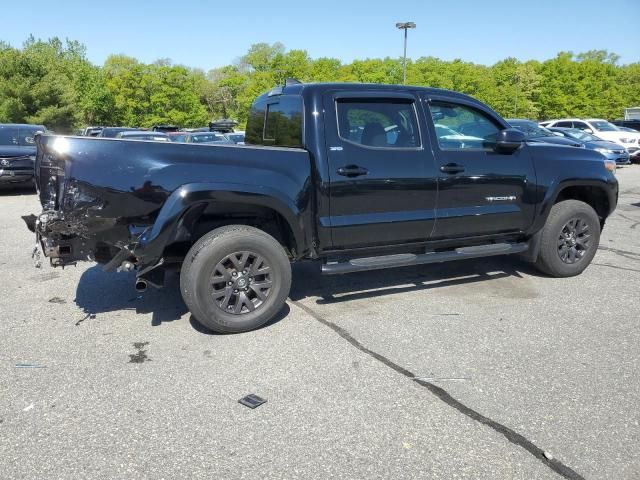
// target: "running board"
[[406, 259]]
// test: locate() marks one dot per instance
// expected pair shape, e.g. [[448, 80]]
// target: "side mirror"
[[588, 130], [509, 140]]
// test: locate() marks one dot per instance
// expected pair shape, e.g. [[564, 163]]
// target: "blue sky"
[[205, 34]]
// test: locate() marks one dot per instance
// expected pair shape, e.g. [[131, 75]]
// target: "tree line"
[[53, 83]]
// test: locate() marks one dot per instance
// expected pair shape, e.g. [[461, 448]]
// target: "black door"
[[481, 192], [383, 181]]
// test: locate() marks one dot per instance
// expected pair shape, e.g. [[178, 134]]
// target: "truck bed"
[[102, 191]]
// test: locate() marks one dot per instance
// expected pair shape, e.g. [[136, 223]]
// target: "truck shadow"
[[102, 292], [308, 281]]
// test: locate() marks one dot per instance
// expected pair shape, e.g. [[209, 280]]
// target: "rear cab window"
[[276, 121]]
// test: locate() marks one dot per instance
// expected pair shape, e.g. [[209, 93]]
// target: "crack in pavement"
[[615, 267], [633, 256], [634, 222], [511, 435]]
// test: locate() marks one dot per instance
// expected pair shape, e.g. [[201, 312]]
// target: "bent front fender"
[[153, 241]]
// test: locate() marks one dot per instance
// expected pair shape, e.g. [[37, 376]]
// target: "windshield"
[[146, 136], [235, 137], [603, 126], [19, 136], [208, 138], [581, 135], [112, 132], [531, 129]]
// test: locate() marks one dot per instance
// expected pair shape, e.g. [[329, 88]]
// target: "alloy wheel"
[[574, 240], [241, 282]]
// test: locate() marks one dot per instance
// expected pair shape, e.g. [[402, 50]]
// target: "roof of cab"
[[299, 88]]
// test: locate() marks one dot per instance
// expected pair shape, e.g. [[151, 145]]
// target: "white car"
[[602, 129]]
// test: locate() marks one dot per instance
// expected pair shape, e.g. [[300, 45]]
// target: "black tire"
[[216, 256], [565, 251]]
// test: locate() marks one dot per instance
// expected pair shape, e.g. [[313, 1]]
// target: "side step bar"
[[406, 259]]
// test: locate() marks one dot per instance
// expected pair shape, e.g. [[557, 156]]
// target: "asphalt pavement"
[[475, 369]]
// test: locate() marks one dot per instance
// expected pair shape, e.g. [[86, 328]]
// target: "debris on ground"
[[252, 401]]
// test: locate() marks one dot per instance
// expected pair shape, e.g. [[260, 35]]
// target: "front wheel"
[[235, 279], [570, 238]]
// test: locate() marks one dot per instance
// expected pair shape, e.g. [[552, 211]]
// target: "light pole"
[[405, 26]]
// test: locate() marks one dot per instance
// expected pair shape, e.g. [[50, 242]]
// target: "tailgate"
[[49, 171]]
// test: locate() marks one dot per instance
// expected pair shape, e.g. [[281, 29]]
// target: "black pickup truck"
[[361, 177]]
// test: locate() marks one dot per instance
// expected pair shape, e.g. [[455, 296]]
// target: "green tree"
[[52, 82], [37, 82]]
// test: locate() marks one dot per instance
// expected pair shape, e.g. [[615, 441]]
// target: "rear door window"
[[564, 124], [379, 122]]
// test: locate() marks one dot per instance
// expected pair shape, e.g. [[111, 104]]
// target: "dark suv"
[[635, 124], [18, 152]]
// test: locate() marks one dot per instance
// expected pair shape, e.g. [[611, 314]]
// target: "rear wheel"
[[235, 279], [570, 239]]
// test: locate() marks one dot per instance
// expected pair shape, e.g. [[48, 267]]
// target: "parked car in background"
[[635, 124], [193, 130], [536, 133], [112, 132], [236, 137], [626, 129], [632, 113], [91, 131], [610, 150], [223, 125], [604, 130], [18, 153], [173, 135], [200, 137], [165, 128], [144, 135]]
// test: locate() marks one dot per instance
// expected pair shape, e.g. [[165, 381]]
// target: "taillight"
[[49, 193]]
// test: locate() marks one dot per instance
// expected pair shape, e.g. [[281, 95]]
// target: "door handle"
[[452, 168], [352, 171]]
